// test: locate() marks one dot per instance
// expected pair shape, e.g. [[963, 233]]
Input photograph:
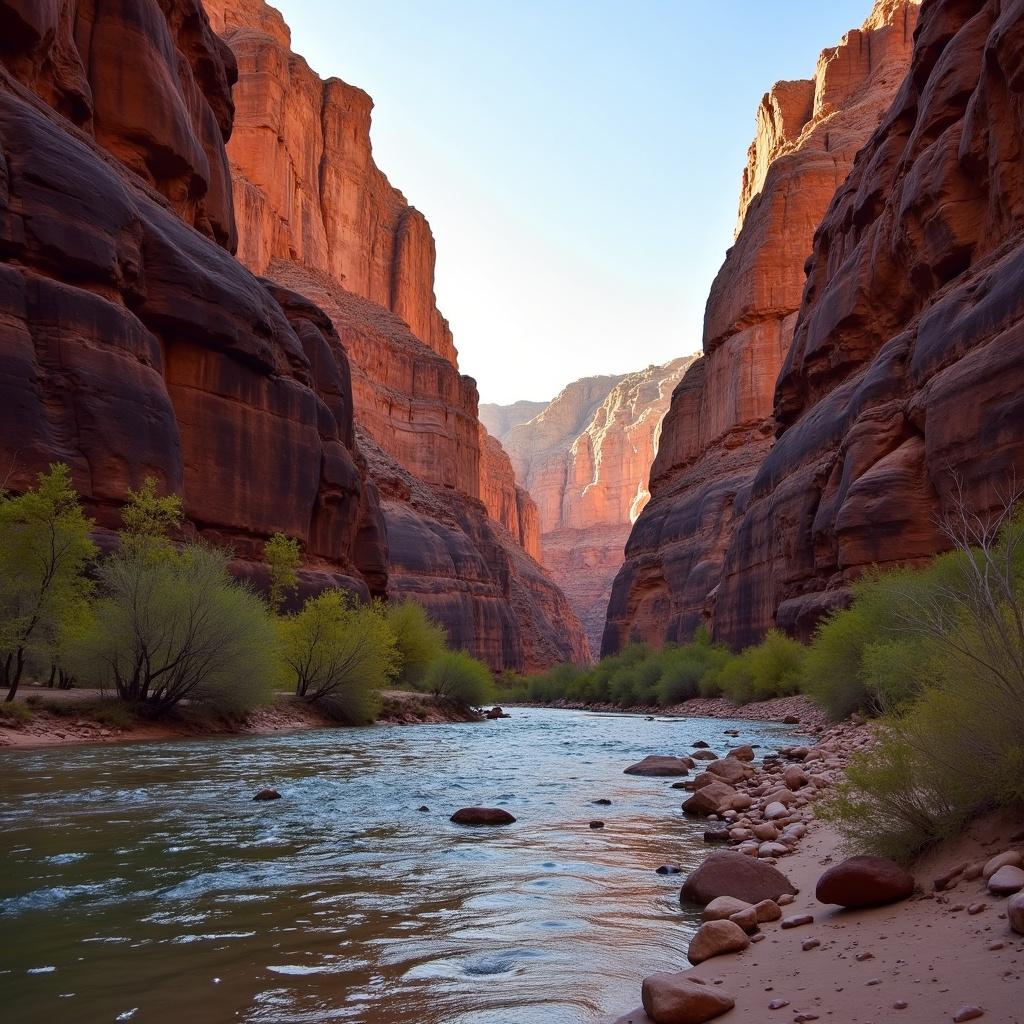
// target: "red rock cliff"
[[133, 342], [317, 215], [720, 427], [586, 458]]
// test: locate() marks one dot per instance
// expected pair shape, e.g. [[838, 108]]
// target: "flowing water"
[[141, 883]]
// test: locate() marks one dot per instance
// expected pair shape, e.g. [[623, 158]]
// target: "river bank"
[[947, 953], [59, 717]]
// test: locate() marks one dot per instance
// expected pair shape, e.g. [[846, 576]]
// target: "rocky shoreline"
[[796, 710], [61, 718], [940, 943]]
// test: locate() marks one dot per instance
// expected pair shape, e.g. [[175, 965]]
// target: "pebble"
[[968, 1013], [810, 944], [797, 920], [778, 1004], [861, 957], [900, 1004], [976, 908]]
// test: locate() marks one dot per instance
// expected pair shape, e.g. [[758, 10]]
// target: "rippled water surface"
[[141, 883]]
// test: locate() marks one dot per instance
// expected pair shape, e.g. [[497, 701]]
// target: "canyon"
[[585, 458], [867, 295], [309, 386]]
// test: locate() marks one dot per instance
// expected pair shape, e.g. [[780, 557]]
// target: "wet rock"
[[423, 807], [597, 824], [726, 873], [659, 766], [676, 999], [1015, 912], [701, 745], [497, 712], [704, 755], [603, 802], [864, 882], [1006, 881], [716, 835], [714, 798], [669, 869], [716, 938], [791, 720], [482, 816], [267, 794], [731, 770], [744, 752]]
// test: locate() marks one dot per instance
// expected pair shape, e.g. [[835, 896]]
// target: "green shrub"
[[45, 548], [420, 642], [775, 665], [284, 558], [338, 654], [174, 625], [15, 714], [458, 676]]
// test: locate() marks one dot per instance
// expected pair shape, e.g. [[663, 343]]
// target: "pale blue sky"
[[578, 160]]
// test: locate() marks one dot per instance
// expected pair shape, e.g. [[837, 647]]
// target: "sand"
[[927, 952]]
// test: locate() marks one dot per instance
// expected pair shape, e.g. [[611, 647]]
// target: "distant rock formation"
[[316, 215], [721, 427], [133, 343], [585, 457]]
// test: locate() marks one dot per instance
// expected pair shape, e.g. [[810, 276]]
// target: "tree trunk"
[[14, 679]]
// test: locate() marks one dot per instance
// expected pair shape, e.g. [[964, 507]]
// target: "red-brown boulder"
[[864, 882]]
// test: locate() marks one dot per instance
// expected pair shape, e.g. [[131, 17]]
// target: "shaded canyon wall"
[[721, 425], [316, 215]]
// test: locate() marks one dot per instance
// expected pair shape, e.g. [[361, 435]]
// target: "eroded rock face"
[[317, 215], [585, 458], [720, 427], [133, 343]]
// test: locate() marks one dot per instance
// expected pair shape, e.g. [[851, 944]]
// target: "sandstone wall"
[[133, 343], [720, 427], [586, 458], [316, 215]]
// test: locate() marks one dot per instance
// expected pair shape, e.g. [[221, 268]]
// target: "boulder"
[[704, 755], [676, 999], [746, 919], [726, 873], [1015, 912], [767, 910], [864, 882], [1010, 858], [1006, 881], [794, 777], [731, 770], [744, 752], [776, 810], [659, 766], [482, 816], [715, 938], [721, 908], [267, 794], [715, 798]]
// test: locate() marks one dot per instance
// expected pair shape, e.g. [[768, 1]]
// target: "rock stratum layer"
[[585, 457], [316, 215], [133, 343], [901, 376]]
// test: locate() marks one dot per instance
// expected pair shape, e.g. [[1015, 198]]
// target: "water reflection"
[[142, 883]]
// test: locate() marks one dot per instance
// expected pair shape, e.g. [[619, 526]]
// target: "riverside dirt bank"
[[60, 717], [946, 951]]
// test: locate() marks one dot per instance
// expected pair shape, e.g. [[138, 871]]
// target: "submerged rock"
[[659, 766], [482, 816], [267, 794]]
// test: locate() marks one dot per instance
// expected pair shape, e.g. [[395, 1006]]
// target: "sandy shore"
[[62, 717], [922, 960]]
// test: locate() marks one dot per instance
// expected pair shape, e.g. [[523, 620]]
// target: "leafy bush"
[[15, 714], [339, 654], [947, 666], [461, 678], [173, 625], [45, 548], [420, 642], [284, 556]]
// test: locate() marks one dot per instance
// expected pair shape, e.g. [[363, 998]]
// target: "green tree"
[[148, 519], [340, 654], [284, 556], [45, 548], [420, 641], [461, 678]]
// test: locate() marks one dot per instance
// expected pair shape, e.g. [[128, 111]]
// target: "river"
[[141, 883]]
